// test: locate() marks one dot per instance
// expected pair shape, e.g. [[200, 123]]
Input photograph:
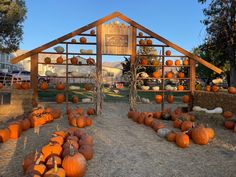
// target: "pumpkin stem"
[[72, 150], [36, 155], [55, 164], [39, 159]]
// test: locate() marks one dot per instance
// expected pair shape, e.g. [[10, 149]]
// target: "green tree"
[[219, 46], [12, 15]]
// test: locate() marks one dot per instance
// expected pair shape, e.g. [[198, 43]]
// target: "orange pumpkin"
[[232, 90], [81, 122], [60, 60], [92, 32], [171, 136], [1, 85], [177, 123], [158, 99], [170, 98], [182, 140], [79, 111], [228, 114], [4, 135], [169, 62], [185, 62], [186, 99], [141, 42], [25, 124], [83, 40], [50, 149], [47, 60], [156, 74], [74, 164], [25, 85], [44, 86], [208, 88], [89, 122], [55, 172], [91, 111], [180, 75], [52, 161], [149, 42], [140, 34], [144, 61], [157, 115], [37, 168], [88, 87], [215, 88], [74, 60], [15, 130], [177, 62], [60, 86], [210, 132], [200, 135], [168, 53], [60, 98], [157, 125], [73, 40], [169, 74], [86, 151], [186, 125], [90, 61], [75, 99], [180, 87]]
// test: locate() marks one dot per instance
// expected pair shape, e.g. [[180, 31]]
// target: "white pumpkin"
[[59, 49], [86, 100], [156, 88], [162, 132], [49, 73], [75, 74], [217, 110], [168, 87]]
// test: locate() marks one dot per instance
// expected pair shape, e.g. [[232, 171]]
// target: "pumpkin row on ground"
[[64, 155], [37, 117]]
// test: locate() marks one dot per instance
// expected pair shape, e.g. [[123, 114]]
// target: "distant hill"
[[112, 64]]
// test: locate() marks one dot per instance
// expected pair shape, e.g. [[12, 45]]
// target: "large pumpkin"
[[4, 135], [158, 99], [60, 98], [182, 140], [74, 164], [200, 135], [148, 119], [232, 90], [86, 151]]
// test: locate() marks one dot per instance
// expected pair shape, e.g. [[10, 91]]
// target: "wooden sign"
[[116, 39]]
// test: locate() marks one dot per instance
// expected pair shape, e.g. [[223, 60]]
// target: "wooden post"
[[133, 90], [192, 81], [163, 80], [99, 71], [67, 86], [34, 76]]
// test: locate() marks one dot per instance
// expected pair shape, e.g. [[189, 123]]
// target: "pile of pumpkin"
[[230, 123], [38, 116], [64, 155], [77, 117], [184, 121]]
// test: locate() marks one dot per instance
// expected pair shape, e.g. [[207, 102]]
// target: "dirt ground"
[[127, 149]]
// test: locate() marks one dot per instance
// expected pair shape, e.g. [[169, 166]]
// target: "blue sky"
[[176, 20]]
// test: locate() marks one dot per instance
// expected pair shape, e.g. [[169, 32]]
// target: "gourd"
[[89, 122], [90, 61], [142, 75], [210, 132], [49, 73], [229, 124], [4, 135], [75, 74], [81, 122], [208, 88], [186, 125]]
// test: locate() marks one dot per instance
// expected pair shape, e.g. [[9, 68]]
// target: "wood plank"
[[65, 37], [99, 71], [34, 75], [192, 75], [167, 42]]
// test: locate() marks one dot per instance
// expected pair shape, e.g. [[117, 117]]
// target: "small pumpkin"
[[185, 62], [60, 86], [171, 136], [86, 140], [156, 74], [169, 62], [44, 86], [90, 61], [229, 124], [74, 60], [86, 151], [4, 135], [25, 124], [177, 123], [75, 99], [180, 75], [144, 61], [169, 74], [157, 114], [227, 114], [149, 42], [91, 111], [73, 40], [141, 42], [79, 111], [79, 133], [51, 149], [47, 60], [92, 32], [232, 90], [60, 98], [74, 164], [25, 85], [158, 99], [200, 135], [60, 60], [58, 139], [89, 122], [168, 53], [88, 87], [186, 99], [210, 132], [215, 88], [15, 130], [177, 62], [140, 34], [180, 87], [208, 88], [52, 161], [156, 125], [182, 140], [186, 125], [83, 40], [170, 99], [1, 85]]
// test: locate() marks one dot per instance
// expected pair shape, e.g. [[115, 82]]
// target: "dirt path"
[[126, 149]]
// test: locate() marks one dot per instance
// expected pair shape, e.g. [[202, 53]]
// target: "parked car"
[[5, 78]]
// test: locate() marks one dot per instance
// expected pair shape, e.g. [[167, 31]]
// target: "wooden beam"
[[174, 46], [34, 75], [192, 72], [99, 71], [65, 37]]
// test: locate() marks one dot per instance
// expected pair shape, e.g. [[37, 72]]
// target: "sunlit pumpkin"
[[44, 86], [185, 62], [180, 87], [149, 42], [169, 74], [180, 75], [142, 42], [182, 140], [158, 99], [215, 88], [177, 62], [169, 62], [156, 74]]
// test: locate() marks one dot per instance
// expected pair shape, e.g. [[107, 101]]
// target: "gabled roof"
[[126, 19]]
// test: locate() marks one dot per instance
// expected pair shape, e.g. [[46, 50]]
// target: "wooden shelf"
[[69, 53], [93, 35], [64, 64], [153, 78], [144, 37], [162, 56], [82, 77], [69, 90], [165, 66], [87, 43], [151, 45], [180, 91]]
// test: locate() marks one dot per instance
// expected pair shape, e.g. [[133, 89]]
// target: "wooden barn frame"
[[133, 56]]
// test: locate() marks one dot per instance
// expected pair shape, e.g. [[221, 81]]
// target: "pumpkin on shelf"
[[169, 62], [182, 140], [158, 99], [47, 60], [169, 74], [143, 61], [88, 87], [141, 42], [149, 42], [60, 86], [60, 98], [156, 74], [232, 90], [180, 87], [185, 62], [74, 60], [92, 32], [1, 85], [180, 75], [73, 40], [140, 34], [44, 86], [170, 98], [75, 99], [208, 88], [83, 40], [227, 114], [215, 88], [90, 61], [25, 85], [155, 62], [60, 60], [177, 62], [168, 53], [185, 99]]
